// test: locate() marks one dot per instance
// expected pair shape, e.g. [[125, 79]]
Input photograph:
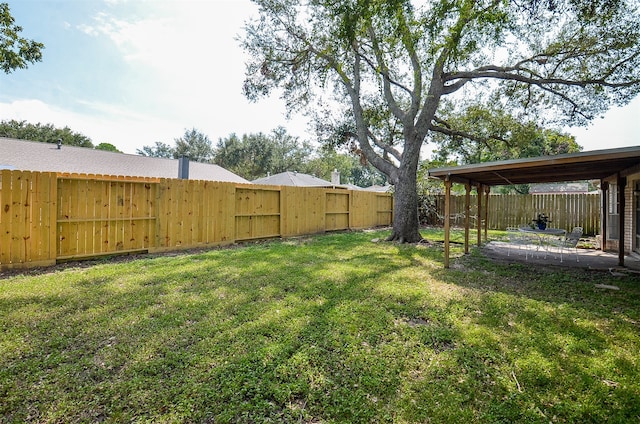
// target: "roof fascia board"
[[522, 163]]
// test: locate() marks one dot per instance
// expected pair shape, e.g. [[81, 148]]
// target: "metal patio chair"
[[519, 239], [570, 241]]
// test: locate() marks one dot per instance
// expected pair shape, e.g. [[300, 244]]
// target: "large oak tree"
[[416, 63]]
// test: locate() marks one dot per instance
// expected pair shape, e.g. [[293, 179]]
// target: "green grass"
[[327, 329]]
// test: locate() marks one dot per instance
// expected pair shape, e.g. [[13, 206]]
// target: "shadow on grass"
[[274, 332], [567, 343], [333, 328]]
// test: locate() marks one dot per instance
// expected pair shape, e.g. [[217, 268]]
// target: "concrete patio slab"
[[590, 259]]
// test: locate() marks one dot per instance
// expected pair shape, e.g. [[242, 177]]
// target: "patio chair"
[[570, 241], [518, 238]]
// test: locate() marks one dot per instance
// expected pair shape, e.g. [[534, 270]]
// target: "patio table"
[[543, 236]]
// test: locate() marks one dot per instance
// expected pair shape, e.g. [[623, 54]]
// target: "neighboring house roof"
[[47, 157], [293, 179], [379, 188], [578, 187], [352, 187]]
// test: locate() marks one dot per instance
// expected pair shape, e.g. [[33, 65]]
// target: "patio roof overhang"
[[596, 164], [605, 165]]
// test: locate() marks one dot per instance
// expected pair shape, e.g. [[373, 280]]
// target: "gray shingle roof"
[[293, 179], [34, 156], [380, 189]]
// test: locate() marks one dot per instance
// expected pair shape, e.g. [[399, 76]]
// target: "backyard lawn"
[[326, 329]]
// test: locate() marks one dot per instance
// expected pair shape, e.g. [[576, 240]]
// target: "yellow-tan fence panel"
[[98, 216], [303, 210], [194, 214], [219, 201], [257, 212], [337, 210], [364, 209], [27, 219], [370, 209], [47, 217], [384, 203]]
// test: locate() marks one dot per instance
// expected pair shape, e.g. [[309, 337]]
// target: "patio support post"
[[604, 221], [467, 211], [479, 191], [487, 189], [622, 182], [447, 213]]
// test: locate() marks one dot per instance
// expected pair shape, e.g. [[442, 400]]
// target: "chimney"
[[183, 168], [335, 177]]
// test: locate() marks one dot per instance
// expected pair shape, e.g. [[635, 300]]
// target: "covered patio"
[[612, 167]]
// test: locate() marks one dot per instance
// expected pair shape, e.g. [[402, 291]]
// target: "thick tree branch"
[[432, 99], [385, 147], [409, 45], [443, 127], [383, 69], [388, 167], [514, 73]]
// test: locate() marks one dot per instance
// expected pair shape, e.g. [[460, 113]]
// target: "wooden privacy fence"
[[47, 217], [513, 210]]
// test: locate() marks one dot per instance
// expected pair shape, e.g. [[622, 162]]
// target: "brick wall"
[[629, 228]]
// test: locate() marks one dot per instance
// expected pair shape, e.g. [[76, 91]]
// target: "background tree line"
[[47, 133], [258, 155]]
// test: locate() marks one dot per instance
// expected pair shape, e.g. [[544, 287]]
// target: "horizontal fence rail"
[[514, 210], [46, 217]]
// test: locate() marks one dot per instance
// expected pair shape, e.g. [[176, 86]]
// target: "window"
[[613, 221]]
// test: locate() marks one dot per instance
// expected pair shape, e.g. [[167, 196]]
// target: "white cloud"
[[185, 63], [126, 130], [620, 127], [130, 130], [184, 69]]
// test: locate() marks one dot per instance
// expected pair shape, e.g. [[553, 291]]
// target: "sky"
[[135, 72]]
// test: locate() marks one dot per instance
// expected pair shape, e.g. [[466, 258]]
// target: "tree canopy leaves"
[[45, 133], [194, 145], [15, 51], [257, 155], [158, 150], [498, 136]]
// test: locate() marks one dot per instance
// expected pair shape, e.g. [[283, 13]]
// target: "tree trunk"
[[405, 208]]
